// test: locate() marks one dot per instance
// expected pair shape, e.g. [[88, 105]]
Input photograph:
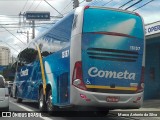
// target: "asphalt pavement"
[[27, 108]]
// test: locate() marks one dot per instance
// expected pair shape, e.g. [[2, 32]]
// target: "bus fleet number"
[[65, 53], [135, 48]]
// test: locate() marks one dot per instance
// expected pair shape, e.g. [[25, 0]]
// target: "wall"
[[152, 69]]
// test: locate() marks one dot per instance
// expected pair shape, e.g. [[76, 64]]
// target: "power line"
[[143, 5], [70, 7], [116, 3], [24, 5], [133, 4], [37, 5], [31, 5], [10, 24], [67, 12], [9, 30], [53, 8], [7, 15], [13, 35], [81, 2], [9, 45], [97, 2], [94, 3], [66, 6], [125, 3], [107, 3], [28, 26]]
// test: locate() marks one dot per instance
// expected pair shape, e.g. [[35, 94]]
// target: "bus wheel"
[[41, 101], [50, 107], [19, 100]]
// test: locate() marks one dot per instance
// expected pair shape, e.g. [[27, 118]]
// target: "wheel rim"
[[49, 102]]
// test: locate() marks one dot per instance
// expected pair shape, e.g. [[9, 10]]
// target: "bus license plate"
[[112, 99]]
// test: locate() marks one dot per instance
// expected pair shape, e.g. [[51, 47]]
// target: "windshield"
[[103, 20]]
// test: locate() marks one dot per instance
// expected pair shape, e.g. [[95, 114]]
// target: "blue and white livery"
[[93, 57]]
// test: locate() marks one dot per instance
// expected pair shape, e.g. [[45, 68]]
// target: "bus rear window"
[[104, 20]]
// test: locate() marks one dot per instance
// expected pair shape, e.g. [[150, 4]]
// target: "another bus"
[[93, 57]]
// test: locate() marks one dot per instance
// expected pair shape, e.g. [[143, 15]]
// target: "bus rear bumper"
[[93, 99]]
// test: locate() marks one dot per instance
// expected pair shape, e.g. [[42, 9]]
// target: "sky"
[[11, 23]]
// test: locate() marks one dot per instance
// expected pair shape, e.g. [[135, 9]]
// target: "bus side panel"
[[57, 72], [35, 80], [23, 81], [75, 56], [75, 51]]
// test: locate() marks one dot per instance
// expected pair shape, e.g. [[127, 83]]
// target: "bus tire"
[[50, 107], [41, 101], [19, 100]]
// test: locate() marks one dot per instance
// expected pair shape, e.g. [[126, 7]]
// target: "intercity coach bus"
[[93, 57]]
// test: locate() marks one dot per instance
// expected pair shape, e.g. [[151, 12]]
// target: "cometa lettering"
[[94, 72]]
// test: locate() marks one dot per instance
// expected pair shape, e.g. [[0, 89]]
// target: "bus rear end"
[[110, 73]]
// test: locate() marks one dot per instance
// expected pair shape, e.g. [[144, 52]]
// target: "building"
[[12, 60], [152, 63], [4, 55]]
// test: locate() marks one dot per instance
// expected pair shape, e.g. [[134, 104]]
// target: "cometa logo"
[[94, 72], [24, 72]]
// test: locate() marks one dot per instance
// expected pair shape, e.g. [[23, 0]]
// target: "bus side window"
[[27, 56], [57, 38], [32, 52], [45, 53]]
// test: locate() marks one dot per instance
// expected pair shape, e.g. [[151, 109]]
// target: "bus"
[[93, 57]]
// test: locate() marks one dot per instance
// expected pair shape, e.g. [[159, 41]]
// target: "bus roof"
[[115, 9]]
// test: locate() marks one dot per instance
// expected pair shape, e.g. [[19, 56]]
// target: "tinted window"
[[103, 20], [28, 55], [58, 37], [2, 84]]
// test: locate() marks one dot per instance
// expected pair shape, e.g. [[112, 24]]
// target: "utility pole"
[[25, 33], [33, 29], [27, 36]]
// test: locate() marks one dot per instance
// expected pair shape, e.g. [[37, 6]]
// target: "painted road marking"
[[27, 109]]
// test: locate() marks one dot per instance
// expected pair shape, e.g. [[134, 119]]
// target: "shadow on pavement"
[[155, 103]]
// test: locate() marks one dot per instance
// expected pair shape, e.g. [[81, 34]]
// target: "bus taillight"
[[86, 7], [77, 76], [141, 85], [137, 14]]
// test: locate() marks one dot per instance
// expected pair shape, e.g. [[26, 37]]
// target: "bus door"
[[63, 90], [112, 51]]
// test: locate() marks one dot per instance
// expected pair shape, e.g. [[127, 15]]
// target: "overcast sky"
[[10, 9]]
